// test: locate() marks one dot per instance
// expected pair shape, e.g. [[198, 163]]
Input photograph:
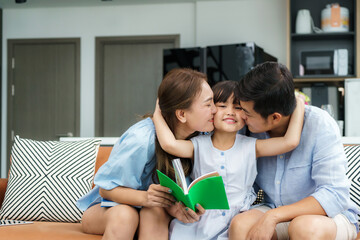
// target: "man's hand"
[[264, 229], [185, 214]]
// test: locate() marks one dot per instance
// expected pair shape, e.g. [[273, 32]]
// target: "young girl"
[[231, 154]]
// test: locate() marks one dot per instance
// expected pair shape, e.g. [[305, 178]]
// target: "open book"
[[208, 190]]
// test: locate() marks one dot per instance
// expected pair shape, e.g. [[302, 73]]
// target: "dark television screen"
[[183, 58], [228, 62]]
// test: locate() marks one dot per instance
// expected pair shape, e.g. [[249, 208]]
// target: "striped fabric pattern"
[[353, 156], [46, 179], [12, 222]]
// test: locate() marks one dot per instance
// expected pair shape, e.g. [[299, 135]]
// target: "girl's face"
[[228, 116], [200, 116]]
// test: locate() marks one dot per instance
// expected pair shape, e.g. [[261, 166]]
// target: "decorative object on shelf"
[[329, 109], [303, 21], [341, 62], [335, 18], [303, 96], [341, 127]]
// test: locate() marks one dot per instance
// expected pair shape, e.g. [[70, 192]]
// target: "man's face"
[[255, 122]]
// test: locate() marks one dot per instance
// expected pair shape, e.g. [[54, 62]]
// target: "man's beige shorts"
[[345, 229]]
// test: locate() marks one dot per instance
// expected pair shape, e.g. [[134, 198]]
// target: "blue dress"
[[130, 164]]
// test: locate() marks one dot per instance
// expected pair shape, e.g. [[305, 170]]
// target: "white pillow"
[[47, 178]]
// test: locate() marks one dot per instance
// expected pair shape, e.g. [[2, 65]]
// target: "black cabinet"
[[323, 41], [219, 62]]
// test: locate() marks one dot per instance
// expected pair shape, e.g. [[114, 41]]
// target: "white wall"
[[261, 21], [199, 24]]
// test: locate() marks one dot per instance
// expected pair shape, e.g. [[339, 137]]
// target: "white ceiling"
[[5, 4]]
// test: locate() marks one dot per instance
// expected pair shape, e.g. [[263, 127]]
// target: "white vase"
[[303, 21]]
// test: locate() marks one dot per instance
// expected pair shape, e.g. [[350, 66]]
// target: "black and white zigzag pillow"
[[353, 156], [46, 179]]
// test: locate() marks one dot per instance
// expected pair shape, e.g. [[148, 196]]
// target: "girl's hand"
[[300, 103], [157, 110], [158, 196], [185, 214]]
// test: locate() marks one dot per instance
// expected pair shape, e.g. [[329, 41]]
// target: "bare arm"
[[265, 226], [155, 196], [279, 145], [306, 206], [167, 140]]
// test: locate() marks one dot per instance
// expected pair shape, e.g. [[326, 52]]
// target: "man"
[[306, 190]]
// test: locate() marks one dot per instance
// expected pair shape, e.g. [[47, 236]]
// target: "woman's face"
[[200, 116]]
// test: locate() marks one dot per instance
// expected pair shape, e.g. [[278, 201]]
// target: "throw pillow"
[[46, 179], [353, 156]]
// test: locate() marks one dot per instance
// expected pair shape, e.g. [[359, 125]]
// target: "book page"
[[180, 175], [210, 174]]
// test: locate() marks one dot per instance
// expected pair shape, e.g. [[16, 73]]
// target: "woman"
[[186, 102]]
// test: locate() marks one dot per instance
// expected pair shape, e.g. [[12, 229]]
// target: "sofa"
[[61, 231]]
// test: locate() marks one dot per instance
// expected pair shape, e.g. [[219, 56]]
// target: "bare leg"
[[154, 223], [119, 222], [312, 227], [243, 222]]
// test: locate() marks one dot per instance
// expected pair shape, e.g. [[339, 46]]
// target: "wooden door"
[[43, 88], [129, 71]]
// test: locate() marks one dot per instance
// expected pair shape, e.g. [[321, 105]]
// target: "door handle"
[[69, 134]]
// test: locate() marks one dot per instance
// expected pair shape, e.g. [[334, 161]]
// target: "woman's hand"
[[158, 196], [185, 214]]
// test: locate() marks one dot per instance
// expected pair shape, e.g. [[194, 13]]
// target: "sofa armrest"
[[3, 185]]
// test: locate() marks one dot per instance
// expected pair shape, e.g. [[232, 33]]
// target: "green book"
[[207, 190]]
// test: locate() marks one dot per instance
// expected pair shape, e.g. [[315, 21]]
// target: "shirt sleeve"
[[131, 156], [329, 169]]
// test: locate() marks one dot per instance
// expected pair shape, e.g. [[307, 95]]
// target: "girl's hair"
[[177, 90], [225, 89]]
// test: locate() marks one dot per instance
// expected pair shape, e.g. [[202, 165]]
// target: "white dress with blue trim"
[[237, 166]]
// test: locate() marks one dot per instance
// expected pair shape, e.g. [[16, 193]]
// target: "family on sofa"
[[294, 154]]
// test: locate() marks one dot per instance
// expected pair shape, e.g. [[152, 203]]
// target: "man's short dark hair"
[[270, 86]]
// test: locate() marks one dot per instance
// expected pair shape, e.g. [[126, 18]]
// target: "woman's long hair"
[[178, 90]]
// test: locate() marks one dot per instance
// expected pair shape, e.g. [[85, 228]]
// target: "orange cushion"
[[46, 231]]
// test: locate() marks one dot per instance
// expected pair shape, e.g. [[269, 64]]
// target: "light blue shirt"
[[317, 167], [130, 164]]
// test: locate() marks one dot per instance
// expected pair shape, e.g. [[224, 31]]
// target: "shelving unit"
[[322, 36], [315, 84], [322, 41]]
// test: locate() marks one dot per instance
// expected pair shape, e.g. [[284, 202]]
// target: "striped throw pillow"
[[353, 156], [46, 179]]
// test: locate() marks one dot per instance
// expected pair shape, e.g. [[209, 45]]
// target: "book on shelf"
[[208, 190]]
